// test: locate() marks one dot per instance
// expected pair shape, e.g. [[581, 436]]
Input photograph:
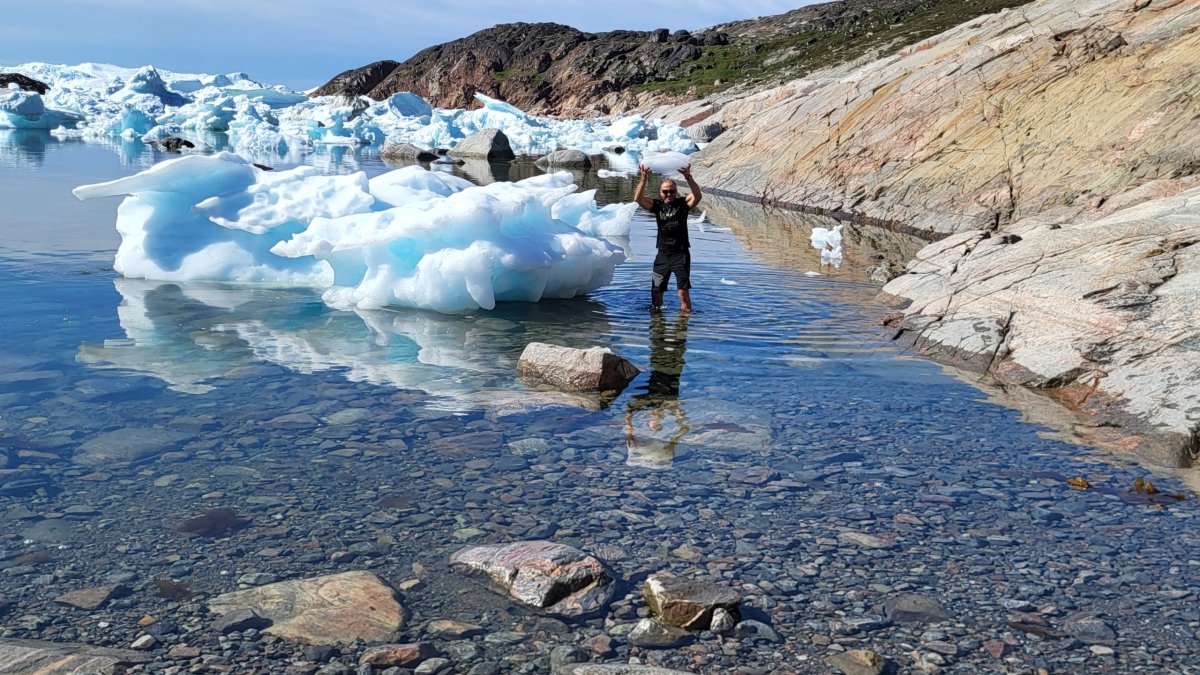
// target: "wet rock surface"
[[406, 152], [566, 159], [1110, 331], [555, 577], [322, 610], [489, 144], [575, 370], [35, 657], [687, 603], [1070, 281]]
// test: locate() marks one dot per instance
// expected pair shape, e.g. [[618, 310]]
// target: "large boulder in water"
[[405, 152], [557, 578], [569, 369], [687, 603], [490, 144], [565, 159]]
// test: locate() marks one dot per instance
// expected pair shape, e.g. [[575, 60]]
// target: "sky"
[[304, 43]]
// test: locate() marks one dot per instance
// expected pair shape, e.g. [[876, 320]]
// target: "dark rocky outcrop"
[[542, 67], [357, 82], [549, 68], [25, 83]]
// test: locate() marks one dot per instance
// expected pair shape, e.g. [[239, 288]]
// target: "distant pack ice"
[[410, 237], [264, 121]]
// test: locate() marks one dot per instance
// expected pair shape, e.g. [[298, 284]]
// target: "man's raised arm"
[[639, 195], [694, 198]]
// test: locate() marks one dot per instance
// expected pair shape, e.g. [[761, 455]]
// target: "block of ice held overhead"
[[666, 163], [409, 238]]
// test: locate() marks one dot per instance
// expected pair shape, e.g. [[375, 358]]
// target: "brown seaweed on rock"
[[212, 523], [174, 590]]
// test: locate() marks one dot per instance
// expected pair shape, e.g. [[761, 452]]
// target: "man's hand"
[[687, 172], [638, 192]]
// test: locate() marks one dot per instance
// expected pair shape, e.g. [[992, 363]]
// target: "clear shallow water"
[[755, 346], [769, 422]]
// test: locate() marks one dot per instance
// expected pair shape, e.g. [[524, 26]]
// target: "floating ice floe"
[[409, 238], [829, 242]]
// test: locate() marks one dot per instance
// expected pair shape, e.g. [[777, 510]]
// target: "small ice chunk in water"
[[728, 282], [813, 274], [829, 243], [665, 163], [606, 173]]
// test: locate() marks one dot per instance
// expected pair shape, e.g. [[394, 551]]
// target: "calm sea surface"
[[769, 423]]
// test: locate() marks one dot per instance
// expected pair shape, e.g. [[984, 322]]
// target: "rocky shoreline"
[[1065, 239]]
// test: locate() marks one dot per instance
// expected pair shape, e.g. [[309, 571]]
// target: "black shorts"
[[667, 262]]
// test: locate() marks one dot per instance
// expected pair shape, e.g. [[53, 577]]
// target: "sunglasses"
[[668, 192]]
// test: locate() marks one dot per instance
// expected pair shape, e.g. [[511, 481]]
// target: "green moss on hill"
[[797, 54]]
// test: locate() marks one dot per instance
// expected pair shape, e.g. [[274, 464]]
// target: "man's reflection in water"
[[668, 343]]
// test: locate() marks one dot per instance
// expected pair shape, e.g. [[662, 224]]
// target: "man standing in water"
[[671, 214]]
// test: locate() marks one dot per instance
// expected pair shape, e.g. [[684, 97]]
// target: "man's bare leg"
[[685, 300], [656, 299]]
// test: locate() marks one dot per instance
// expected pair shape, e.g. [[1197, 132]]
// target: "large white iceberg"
[[409, 238]]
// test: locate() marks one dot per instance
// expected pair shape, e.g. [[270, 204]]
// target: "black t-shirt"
[[672, 224]]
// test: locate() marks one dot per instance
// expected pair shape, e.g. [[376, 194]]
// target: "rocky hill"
[[554, 69], [1056, 149]]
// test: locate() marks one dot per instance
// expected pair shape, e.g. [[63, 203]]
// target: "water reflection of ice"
[[193, 336], [28, 146]]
